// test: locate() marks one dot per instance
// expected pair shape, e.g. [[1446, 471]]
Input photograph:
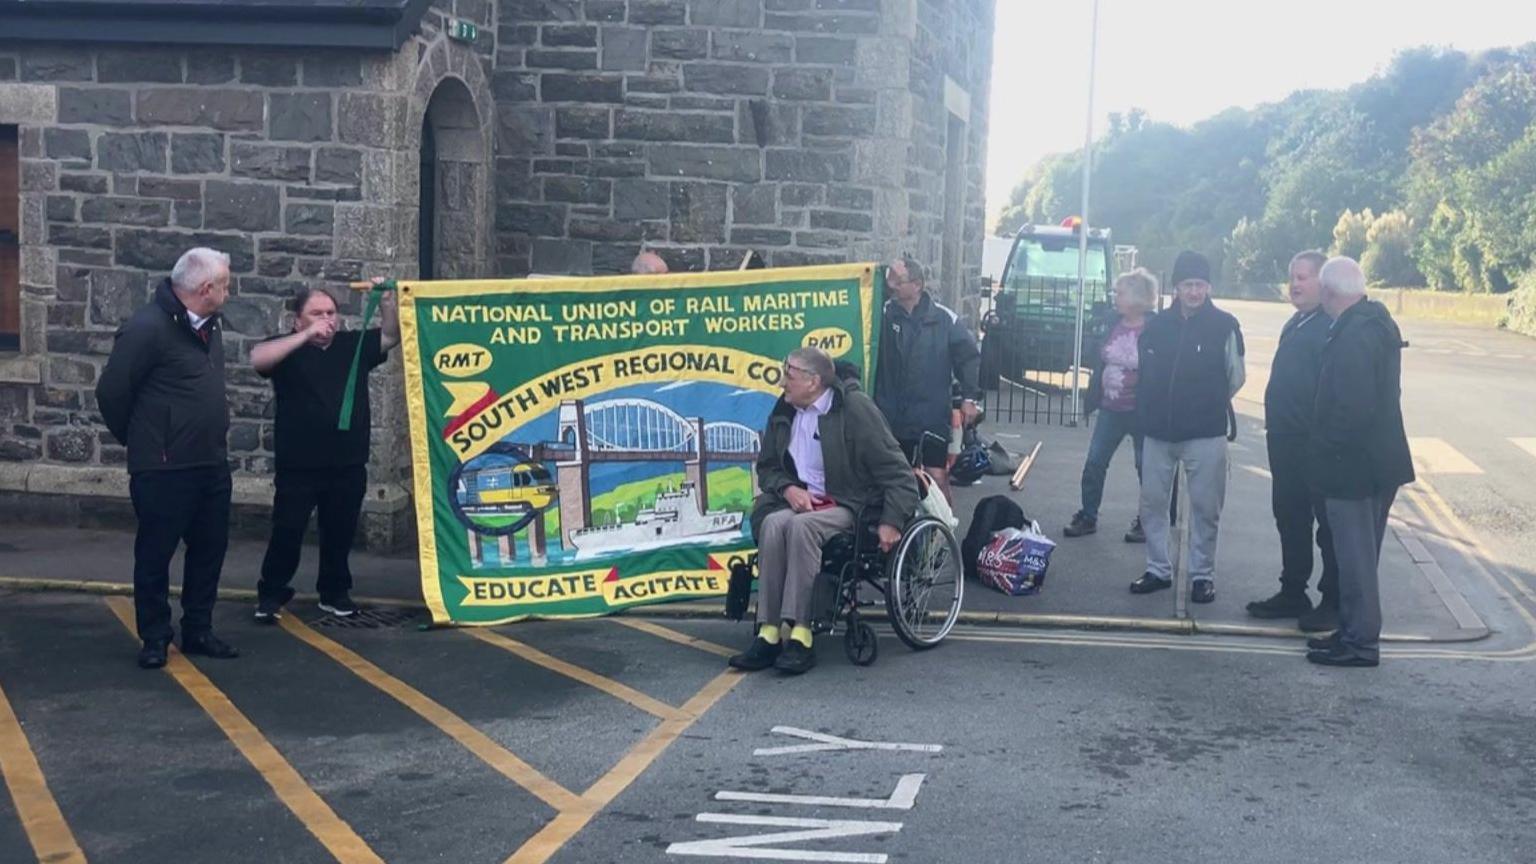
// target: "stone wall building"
[[318, 142]]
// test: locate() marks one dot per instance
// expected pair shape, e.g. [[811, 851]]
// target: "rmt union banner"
[[585, 445]]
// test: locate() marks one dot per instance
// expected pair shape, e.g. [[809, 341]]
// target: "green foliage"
[[1349, 235], [1388, 256], [1447, 138], [1522, 305]]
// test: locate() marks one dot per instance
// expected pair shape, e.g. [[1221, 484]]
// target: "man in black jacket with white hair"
[[1358, 454], [162, 396]]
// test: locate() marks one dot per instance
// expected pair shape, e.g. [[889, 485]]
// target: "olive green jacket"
[[864, 465]]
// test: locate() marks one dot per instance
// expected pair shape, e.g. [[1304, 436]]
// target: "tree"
[[1388, 256], [1349, 235]]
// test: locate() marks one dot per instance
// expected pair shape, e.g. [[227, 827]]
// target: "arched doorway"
[[452, 231]]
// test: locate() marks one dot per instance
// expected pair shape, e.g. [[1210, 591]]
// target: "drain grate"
[[372, 619]]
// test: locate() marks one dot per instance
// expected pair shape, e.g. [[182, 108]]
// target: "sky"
[[1184, 60]]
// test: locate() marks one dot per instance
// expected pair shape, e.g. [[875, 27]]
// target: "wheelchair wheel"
[[924, 583], [859, 643]]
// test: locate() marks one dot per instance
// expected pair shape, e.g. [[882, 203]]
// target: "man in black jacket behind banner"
[[1288, 401], [162, 396], [1358, 454]]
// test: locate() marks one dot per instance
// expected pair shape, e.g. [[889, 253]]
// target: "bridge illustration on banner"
[[633, 430]]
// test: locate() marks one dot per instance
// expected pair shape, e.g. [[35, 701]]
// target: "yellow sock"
[[769, 633], [801, 634]]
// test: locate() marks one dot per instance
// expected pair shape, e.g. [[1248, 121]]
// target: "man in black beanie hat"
[[1191, 367]]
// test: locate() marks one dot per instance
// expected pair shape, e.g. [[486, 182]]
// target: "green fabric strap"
[[349, 396]]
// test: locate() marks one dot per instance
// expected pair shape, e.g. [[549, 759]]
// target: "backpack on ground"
[[992, 514]]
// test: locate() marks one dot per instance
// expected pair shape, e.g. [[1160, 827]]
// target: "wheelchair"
[[921, 582]]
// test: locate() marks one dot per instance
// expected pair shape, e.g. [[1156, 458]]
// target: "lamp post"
[[1082, 237]]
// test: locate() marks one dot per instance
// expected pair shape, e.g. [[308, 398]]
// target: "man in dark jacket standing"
[[923, 353], [825, 454], [1359, 454], [162, 396], [1288, 402], [1191, 367]]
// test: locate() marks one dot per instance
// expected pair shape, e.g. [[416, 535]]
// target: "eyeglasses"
[[790, 367]]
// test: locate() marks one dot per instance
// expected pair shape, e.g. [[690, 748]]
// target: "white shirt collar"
[[822, 404], [196, 320]]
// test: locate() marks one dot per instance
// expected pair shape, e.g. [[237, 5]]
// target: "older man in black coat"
[[1358, 454]]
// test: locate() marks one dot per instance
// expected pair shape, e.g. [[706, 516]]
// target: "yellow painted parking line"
[[654, 707], [541, 846], [454, 726], [1435, 456], [671, 635], [41, 819], [332, 832], [1526, 444]]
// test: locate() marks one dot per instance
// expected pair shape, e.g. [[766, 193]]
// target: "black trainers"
[[1324, 643], [153, 654], [1202, 591], [1134, 534], [1338, 655], [1282, 605], [760, 655], [1149, 583], [1081, 526], [1320, 620], [796, 659], [341, 606], [268, 610], [208, 645]]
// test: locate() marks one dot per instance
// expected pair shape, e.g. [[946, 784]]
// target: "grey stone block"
[[139, 66], [240, 206], [309, 219], [370, 119], [60, 208], [640, 199], [698, 212], [338, 165], [588, 123], [161, 187], [537, 58], [64, 64], [251, 316], [210, 67], [576, 87], [753, 46], [132, 151], [68, 234], [269, 162], [365, 232], [67, 144], [93, 184], [605, 10], [270, 69], [760, 237], [828, 50], [515, 86], [807, 166], [738, 164], [99, 106], [624, 49], [333, 70], [851, 198], [568, 36], [300, 117], [541, 10], [690, 44], [573, 257], [606, 230], [727, 13], [862, 25], [687, 128], [197, 153], [126, 211], [844, 121], [754, 205], [725, 78], [70, 445], [766, 123], [116, 295], [841, 221], [578, 190], [539, 220], [227, 110], [654, 12]]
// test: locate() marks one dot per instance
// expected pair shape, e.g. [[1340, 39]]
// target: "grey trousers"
[[788, 558], [1205, 468], [1358, 528]]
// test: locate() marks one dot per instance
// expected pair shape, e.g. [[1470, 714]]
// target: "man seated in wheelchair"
[[826, 453]]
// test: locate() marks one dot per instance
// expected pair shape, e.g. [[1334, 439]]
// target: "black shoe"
[[796, 659], [268, 610], [1282, 605], [760, 655], [1338, 655], [1134, 534], [341, 606], [208, 645], [1320, 620], [1324, 643], [152, 655], [1149, 583], [1202, 591], [1081, 526]]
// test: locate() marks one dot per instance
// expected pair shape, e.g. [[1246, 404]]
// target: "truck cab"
[[1031, 322]]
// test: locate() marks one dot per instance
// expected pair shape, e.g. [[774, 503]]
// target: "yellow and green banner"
[[585, 445]]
